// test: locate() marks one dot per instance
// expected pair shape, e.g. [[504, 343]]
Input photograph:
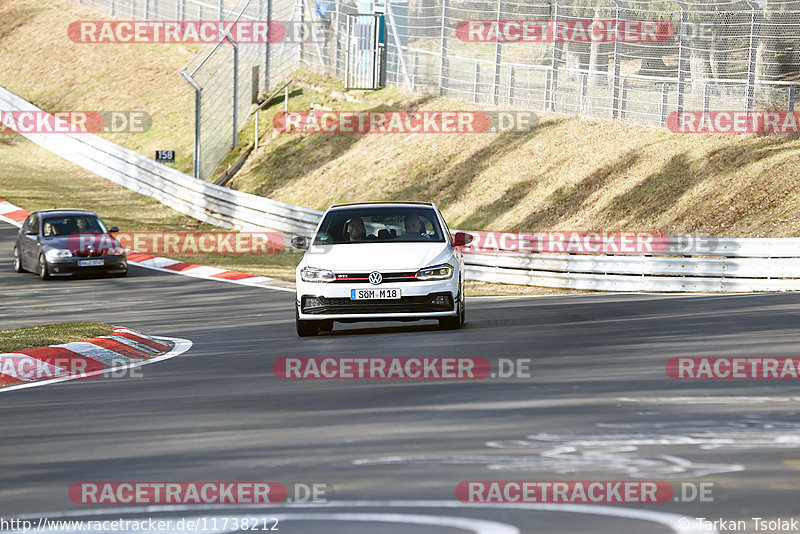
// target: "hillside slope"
[[566, 174]]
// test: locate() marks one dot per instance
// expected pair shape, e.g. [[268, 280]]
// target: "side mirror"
[[32, 232], [461, 239], [300, 242], [113, 229]]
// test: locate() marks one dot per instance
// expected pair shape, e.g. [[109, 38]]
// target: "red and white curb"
[[15, 215], [123, 349]]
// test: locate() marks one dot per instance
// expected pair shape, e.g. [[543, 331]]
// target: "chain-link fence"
[[221, 74], [715, 55], [704, 56]]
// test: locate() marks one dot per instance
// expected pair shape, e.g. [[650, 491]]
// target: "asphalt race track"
[[598, 406]]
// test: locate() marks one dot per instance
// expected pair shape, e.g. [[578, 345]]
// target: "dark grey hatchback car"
[[67, 243]]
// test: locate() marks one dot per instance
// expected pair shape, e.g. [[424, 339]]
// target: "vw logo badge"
[[375, 278]]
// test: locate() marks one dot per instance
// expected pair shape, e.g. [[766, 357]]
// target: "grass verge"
[[51, 334]]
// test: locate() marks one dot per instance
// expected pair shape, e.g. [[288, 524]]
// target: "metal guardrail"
[[727, 265]]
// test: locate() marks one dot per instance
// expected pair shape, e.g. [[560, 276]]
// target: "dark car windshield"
[[379, 225], [72, 224]]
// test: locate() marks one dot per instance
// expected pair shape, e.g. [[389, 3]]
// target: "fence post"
[[706, 97], [443, 64], [198, 101], [498, 51], [551, 85], [235, 90], [146, 9], [682, 59], [155, 10], [221, 10], [401, 59], [616, 104], [511, 79], [133, 9], [476, 83], [755, 24], [792, 94], [584, 83], [623, 82], [662, 110], [302, 38], [336, 35], [414, 72], [269, 47], [112, 8]]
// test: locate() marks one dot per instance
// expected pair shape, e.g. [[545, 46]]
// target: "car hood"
[[357, 257]]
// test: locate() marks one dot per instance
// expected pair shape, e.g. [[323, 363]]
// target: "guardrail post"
[[498, 51], [443, 64]]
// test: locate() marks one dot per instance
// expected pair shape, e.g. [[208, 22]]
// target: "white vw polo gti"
[[378, 261]]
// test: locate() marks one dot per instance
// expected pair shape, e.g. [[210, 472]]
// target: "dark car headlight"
[[437, 272]]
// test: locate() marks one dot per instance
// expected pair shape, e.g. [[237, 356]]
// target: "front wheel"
[[44, 271], [305, 328], [17, 262], [457, 321]]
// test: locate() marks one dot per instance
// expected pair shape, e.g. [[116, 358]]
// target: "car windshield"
[[72, 224], [379, 225]]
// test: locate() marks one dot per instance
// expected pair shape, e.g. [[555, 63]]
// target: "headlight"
[[115, 251], [55, 253], [437, 272], [312, 274]]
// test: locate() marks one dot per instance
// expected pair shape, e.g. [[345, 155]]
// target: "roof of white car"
[[381, 204]]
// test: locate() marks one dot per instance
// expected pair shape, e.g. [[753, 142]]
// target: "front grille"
[[344, 305], [363, 278]]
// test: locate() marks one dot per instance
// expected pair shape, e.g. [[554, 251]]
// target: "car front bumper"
[[70, 266], [418, 300]]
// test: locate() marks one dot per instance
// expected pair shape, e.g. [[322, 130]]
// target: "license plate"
[[374, 294], [90, 263]]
